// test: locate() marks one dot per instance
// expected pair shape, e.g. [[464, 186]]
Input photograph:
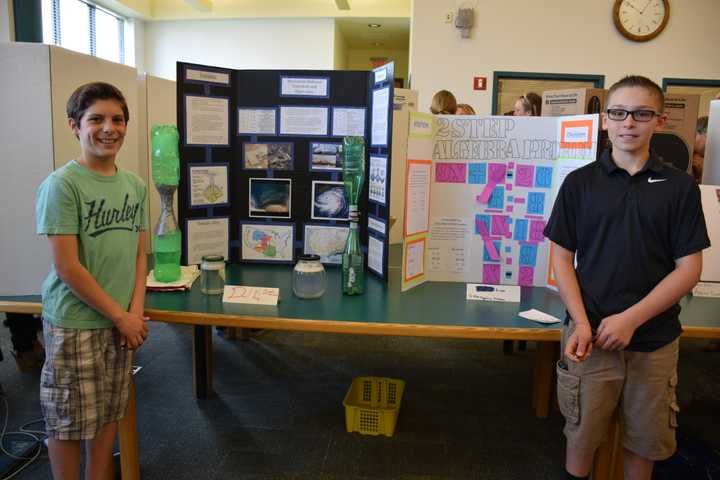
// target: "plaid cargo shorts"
[[85, 380]]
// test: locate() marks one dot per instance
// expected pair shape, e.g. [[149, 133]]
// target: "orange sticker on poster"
[[550, 274], [576, 134]]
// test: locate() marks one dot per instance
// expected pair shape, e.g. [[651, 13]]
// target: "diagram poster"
[[493, 182]]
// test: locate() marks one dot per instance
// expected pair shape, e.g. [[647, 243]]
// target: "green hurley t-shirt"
[[106, 213]]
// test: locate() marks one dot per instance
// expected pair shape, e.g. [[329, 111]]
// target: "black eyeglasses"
[[620, 114]]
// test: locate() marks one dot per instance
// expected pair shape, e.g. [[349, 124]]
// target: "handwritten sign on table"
[[251, 295]]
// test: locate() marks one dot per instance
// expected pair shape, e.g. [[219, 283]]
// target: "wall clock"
[[641, 20]]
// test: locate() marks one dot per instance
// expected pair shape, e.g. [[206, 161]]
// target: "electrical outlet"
[[448, 17]]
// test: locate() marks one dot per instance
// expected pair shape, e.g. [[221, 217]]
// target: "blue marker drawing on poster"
[[477, 173], [528, 255], [484, 219], [543, 177], [536, 203], [486, 257], [497, 198], [521, 229]]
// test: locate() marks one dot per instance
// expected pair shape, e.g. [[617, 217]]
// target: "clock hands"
[[645, 7], [629, 4]]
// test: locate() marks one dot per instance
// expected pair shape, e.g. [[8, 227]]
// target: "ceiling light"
[[374, 25], [342, 4]]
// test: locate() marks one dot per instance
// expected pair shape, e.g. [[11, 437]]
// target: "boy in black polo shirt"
[[637, 228]]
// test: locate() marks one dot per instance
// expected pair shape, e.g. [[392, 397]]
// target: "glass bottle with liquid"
[[309, 277], [353, 260], [212, 274]]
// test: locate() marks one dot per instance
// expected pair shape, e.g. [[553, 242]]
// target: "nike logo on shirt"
[[655, 180]]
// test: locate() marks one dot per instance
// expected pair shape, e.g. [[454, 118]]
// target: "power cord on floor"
[[36, 435]]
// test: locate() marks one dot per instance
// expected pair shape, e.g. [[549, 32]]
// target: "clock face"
[[641, 20]]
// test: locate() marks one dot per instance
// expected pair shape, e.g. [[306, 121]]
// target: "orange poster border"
[[405, 217], [576, 123], [405, 246]]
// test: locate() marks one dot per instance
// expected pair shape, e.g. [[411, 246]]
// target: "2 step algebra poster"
[[479, 191]]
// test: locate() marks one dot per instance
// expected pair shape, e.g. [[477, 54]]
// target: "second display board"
[[261, 164]]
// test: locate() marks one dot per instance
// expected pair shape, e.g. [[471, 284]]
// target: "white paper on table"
[[538, 316], [207, 120], [707, 289], [251, 295], [493, 293], [188, 274]]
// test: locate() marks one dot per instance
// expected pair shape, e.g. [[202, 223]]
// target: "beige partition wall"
[[26, 158], [35, 139], [404, 102]]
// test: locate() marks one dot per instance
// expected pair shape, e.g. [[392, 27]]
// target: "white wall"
[[339, 50], [240, 44], [358, 59], [7, 22], [560, 36]]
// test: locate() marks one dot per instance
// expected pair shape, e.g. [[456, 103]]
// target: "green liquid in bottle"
[[166, 253], [353, 260], [353, 268]]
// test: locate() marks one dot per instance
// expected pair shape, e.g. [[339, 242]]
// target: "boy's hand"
[[615, 332], [579, 345], [133, 329]]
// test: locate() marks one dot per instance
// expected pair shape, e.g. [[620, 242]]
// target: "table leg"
[[544, 383], [608, 463], [202, 361], [128, 439]]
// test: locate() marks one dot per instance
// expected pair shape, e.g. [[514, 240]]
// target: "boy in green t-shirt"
[[93, 299]]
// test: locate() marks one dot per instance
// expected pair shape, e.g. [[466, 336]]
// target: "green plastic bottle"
[[353, 260], [167, 239]]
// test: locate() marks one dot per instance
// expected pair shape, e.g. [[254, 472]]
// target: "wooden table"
[[430, 310]]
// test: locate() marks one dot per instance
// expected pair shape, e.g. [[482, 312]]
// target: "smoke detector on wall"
[[464, 21]]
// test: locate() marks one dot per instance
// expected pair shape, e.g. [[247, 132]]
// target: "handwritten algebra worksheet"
[[491, 184]]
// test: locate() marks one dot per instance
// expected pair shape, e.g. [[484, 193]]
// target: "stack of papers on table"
[[187, 277]]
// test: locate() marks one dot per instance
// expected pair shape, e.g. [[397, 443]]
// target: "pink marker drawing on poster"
[[524, 175], [450, 172], [491, 274], [496, 174], [525, 276], [536, 230], [487, 241], [500, 225]]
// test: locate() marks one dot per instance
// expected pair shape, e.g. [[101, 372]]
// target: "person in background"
[[465, 109], [443, 103], [699, 148], [529, 105]]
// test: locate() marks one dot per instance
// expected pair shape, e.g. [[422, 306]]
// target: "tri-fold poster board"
[[479, 192], [261, 163]]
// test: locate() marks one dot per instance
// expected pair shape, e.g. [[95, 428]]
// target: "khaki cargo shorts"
[[639, 385]]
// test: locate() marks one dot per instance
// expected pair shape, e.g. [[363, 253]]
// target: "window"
[[84, 27], [509, 86]]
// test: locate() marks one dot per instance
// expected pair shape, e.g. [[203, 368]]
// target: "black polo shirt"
[[627, 231]]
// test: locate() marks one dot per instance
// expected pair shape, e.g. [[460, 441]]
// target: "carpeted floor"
[[278, 413]]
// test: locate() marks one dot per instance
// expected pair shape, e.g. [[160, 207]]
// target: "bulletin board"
[[261, 165], [479, 191]]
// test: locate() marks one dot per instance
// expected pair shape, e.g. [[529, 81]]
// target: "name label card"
[[493, 293], [251, 295]]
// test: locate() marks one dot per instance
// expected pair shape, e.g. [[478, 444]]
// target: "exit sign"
[[479, 83]]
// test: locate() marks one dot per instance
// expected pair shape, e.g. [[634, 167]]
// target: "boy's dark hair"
[[642, 82], [86, 95]]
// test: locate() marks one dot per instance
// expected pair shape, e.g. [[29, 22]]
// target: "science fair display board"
[[479, 191], [261, 162]]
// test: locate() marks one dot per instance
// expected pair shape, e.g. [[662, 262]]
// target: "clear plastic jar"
[[309, 277], [212, 274]]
